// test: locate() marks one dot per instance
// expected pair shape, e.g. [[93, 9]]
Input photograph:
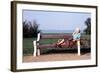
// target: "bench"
[[37, 46]]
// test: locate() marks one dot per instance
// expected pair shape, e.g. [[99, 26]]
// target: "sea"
[[58, 31]]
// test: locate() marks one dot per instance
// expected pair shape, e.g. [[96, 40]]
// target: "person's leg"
[[60, 42], [60, 45]]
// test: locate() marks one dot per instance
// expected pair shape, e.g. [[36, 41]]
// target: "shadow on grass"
[[62, 51]]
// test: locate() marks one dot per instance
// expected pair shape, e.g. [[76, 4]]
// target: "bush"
[[88, 24], [30, 29]]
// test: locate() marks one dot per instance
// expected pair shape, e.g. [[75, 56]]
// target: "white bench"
[[37, 46]]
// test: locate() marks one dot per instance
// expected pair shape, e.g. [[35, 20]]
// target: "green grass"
[[27, 42], [28, 45]]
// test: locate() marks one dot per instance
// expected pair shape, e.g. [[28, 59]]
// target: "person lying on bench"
[[60, 43], [64, 42]]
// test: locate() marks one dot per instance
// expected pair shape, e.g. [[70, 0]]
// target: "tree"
[[88, 24], [25, 29], [30, 29], [34, 29]]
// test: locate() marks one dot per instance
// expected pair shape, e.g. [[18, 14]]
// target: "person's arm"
[[73, 33]]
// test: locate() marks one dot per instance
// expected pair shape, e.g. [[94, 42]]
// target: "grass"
[[28, 45]]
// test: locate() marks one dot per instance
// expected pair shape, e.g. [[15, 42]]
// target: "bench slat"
[[57, 36], [46, 46], [53, 46]]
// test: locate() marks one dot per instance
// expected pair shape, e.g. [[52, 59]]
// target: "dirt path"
[[56, 57]]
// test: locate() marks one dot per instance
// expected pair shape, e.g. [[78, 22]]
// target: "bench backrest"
[[53, 36]]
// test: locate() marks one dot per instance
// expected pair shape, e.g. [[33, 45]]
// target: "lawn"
[[27, 45]]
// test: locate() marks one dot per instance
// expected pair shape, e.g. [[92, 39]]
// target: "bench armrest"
[[38, 37]]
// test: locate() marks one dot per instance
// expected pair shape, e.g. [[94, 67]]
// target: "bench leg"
[[78, 46], [38, 52], [35, 48]]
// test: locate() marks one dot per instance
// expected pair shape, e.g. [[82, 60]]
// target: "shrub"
[[30, 29]]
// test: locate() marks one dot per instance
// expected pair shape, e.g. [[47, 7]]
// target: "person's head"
[[77, 30]]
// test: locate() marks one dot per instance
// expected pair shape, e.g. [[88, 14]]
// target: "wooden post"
[[35, 48], [78, 46]]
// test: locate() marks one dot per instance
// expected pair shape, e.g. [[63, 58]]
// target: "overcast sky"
[[50, 20]]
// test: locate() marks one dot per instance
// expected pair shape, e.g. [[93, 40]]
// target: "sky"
[[56, 20]]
